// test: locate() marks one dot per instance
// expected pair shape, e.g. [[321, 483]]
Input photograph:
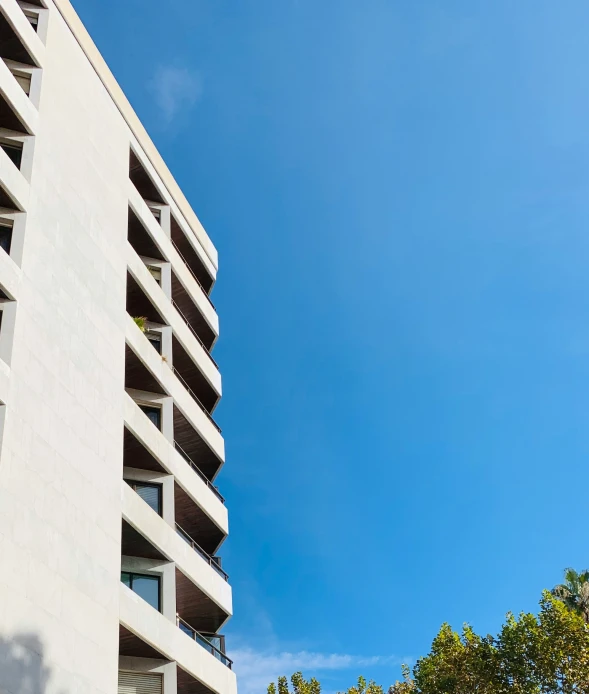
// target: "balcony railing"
[[195, 467], [204, 641], [195, 396], [193, 331], [199, 550], [192, 273]]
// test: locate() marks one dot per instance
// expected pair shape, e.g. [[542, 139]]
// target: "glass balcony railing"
[[192, 272], [211, 561], [196, 469], [195, 398], [193, 331], [210, 642]]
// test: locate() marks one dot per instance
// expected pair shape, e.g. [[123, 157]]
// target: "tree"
[[363, 687], [574, 592], [407, 686], [543, 654], [546, 653], [299, 683]]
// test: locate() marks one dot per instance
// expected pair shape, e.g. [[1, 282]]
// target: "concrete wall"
[[61, 458], [63, 405]]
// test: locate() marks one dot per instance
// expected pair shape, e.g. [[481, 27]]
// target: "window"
[[140, 683], [150, 493], [24, 79], [155, 211], [155, 339], [14, 151], [146, 586], [154, 414], [33, 18], [5, 235], [156, 273]]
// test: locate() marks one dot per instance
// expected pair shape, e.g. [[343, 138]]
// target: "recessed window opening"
[[156, 212], [5, 234], [146, 586], [140, 683], [153, 413], [33, 18], [150, 493], [156, 340], [12, 46], [156, 273], [143, 181], [24, 80], [14, 150]]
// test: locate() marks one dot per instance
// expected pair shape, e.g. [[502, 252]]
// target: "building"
[[110, 521]]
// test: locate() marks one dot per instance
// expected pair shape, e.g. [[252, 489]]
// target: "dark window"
[[154, 413], [147, 587], [156, 273], [33, 19], [156, 212], [156, 341], [150, 493], [14, 152], [24, 79], [5, 237]]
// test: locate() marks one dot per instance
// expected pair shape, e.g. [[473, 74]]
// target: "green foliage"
[[140, 322], [546, 653], [363, 687], [299, 685], [574, 592], [407, 686]]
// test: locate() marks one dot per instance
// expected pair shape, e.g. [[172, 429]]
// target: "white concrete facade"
[[108, 447]]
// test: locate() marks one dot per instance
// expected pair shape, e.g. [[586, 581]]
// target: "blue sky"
[[399, 192]]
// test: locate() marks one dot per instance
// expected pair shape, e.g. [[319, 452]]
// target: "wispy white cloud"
[[174, 89], [256, 669]]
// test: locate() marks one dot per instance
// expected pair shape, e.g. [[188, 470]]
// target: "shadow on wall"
[[22, 665]]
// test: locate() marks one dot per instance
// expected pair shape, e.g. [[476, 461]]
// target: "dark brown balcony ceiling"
[[189, 515], [194, 521], [195, 446], [138, 304], [133, 544], [193, 377], [138, 376], [11, 46], [142, 181], [191, 313], [136, 455], [6, 201], [140, 239], [8, 118], [191, 257], [132, 645], [188, 685], [196, 608]]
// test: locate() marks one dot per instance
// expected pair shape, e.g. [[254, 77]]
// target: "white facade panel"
[[68, 428]]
